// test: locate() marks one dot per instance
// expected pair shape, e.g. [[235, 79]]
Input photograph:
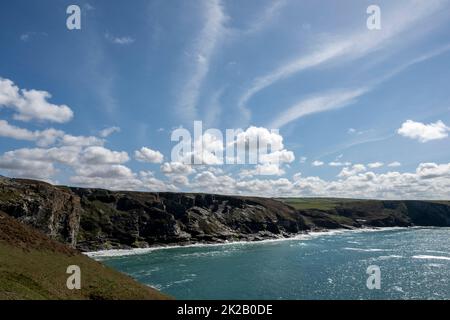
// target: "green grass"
[[33, 266], [316, 203], [41, 274]]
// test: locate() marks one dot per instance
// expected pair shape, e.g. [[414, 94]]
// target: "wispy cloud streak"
[[348, 47], [341, 98], [203, 50]]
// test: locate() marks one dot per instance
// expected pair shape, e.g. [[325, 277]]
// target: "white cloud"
[[428, 181], [10, 131], [266, 16], [394, 164], [207, 181], [80, 141], [355, 169], [201, 54], [319, 103], [116, 171], [119, 40], [339, 164], [99, 155], [263, 135], [148, 155], [375, 165], [433, 170], [108, 131], [266, 169], [27, 168], [47, 137], [28, 35], [349, 47], [32, 104], [280, 156], [176, 168], [180, 180], [151, 183], [424, 132], [63, 155], [317, 163]]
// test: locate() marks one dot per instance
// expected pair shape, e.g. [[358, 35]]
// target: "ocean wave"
[[392, 256], [431, 257], [367, 250]]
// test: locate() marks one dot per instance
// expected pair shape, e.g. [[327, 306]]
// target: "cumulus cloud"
[[267, 169], [428, 181], [100, 155], [317, 163], [394, 164], [47, 137], [180, 180], [148, 155], [80, 141], [10, 131], [424, 132], [339, 164], [433, 170], [151, 183], [280, 156], [351, 171], [177, 168], [116, 171], [207, 181], [63, 155], [32, 104], [27, 168], [374, 165]]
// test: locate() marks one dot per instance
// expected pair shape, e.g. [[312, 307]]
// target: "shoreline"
[[301, 236]]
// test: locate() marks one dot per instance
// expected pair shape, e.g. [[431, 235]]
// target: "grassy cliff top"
[[32, 266]]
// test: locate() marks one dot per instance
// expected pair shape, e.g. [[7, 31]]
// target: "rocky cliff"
[[93, 219]]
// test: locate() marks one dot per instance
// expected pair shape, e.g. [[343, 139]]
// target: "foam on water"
[[304, 236], [431, 257]]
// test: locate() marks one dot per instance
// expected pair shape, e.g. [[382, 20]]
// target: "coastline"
[[301, 236]]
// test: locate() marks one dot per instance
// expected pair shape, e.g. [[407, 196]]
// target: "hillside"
[[94, 219], [32, 266]]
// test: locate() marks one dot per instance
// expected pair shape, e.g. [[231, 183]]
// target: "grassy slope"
[[317, 203], [34, 267]]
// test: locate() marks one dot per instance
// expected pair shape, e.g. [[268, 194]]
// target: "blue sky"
[[362, 113]]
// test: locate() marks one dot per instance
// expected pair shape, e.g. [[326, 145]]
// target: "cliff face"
[[115, 219], [54, 210], [93, 219]]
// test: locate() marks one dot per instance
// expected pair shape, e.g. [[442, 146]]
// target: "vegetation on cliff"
[[32, 266]]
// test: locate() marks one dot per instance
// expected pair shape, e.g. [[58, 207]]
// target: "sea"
[[390, 263]]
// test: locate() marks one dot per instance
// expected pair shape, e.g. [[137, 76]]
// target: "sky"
[[359, 112]]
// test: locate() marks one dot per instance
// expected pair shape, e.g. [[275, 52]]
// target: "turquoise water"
[[414, 264]]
